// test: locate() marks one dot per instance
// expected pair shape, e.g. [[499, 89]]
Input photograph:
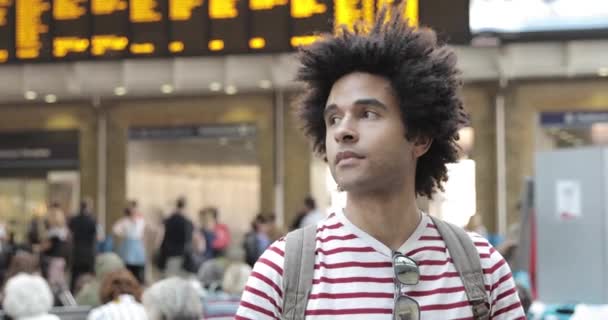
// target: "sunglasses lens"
[[406, 309], [406, 270]]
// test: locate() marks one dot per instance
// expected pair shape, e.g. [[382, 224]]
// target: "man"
[[382, 107], [217, 235], [84, 239], [178, 235]]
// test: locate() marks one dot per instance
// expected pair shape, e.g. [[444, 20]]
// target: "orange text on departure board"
[[142, 11], [69, 9], [4, 5], [103, 43], [223, 9], [64, 45], [29, 27], [306, 8], [266, 4], [181, 10], [106, 7]]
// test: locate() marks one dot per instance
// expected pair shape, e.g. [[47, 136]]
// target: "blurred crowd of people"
[[142, 269]]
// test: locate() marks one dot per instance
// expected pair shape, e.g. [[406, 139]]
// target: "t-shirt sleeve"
[[504, 300], [263, 294]]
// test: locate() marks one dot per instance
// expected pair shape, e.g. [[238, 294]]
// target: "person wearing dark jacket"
[[178, 235], [84, 236]]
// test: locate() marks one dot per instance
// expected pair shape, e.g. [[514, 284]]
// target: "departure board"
[[308, 18], [69, 30], [189, 27], [228, 29], [7, 30], [110, 28], [269, 25], [149, 21], [32, 27]]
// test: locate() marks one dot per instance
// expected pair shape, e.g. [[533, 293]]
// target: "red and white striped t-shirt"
[[353, 277]]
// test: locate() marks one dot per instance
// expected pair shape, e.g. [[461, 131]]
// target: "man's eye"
[[370, 115], [332, 120]]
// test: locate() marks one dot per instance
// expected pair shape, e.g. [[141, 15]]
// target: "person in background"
[[22, 262], [84, 238], [130, 229], [258, 239], [28, 297], [313, 215], [178, 235], [275, 231], [121, 295], [54, 249], [105, 263], [217, 236], [173, 299]]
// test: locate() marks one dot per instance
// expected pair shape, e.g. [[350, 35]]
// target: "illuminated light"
[[144, 11], [120, 91], [69, 9], [231, 90], [50, 98], [106, 7], [102, 43], [3, 55], [142, 48], [303, 40], [223, 9], [602, 72], [266, 4], [306, 8], [265, 84], [215, 86], [176, 46], [181, 10], [257, 43], [166, 89], [216, 45], [30, 95]]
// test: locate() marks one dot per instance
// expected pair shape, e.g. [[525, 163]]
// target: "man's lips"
[[344, 155]]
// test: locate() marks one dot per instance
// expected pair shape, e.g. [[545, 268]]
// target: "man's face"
[[365, 141]]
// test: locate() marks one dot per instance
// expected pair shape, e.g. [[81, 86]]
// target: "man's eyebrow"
[[329, 108], [371, 102]]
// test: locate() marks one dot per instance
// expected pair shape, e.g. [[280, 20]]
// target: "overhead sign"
[[48, 150], [64, 30]]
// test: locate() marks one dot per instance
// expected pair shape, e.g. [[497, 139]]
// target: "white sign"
[[568, 200]]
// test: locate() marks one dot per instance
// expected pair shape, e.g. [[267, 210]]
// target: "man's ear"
[[422, 145]]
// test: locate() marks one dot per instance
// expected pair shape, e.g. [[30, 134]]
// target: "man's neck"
[[391, 218]]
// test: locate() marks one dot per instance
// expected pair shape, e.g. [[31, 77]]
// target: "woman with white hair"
[[28, 297], [173, 299]]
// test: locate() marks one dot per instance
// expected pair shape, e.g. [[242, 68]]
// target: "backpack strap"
[[467, 262], [298, 270]]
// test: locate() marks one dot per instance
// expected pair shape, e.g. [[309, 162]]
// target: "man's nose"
[[346, 131]]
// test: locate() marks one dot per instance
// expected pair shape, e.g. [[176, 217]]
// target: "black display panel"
[[270, 26], [71, 29], [228, 30], [149, 20], [189, 27], [110, 29]]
